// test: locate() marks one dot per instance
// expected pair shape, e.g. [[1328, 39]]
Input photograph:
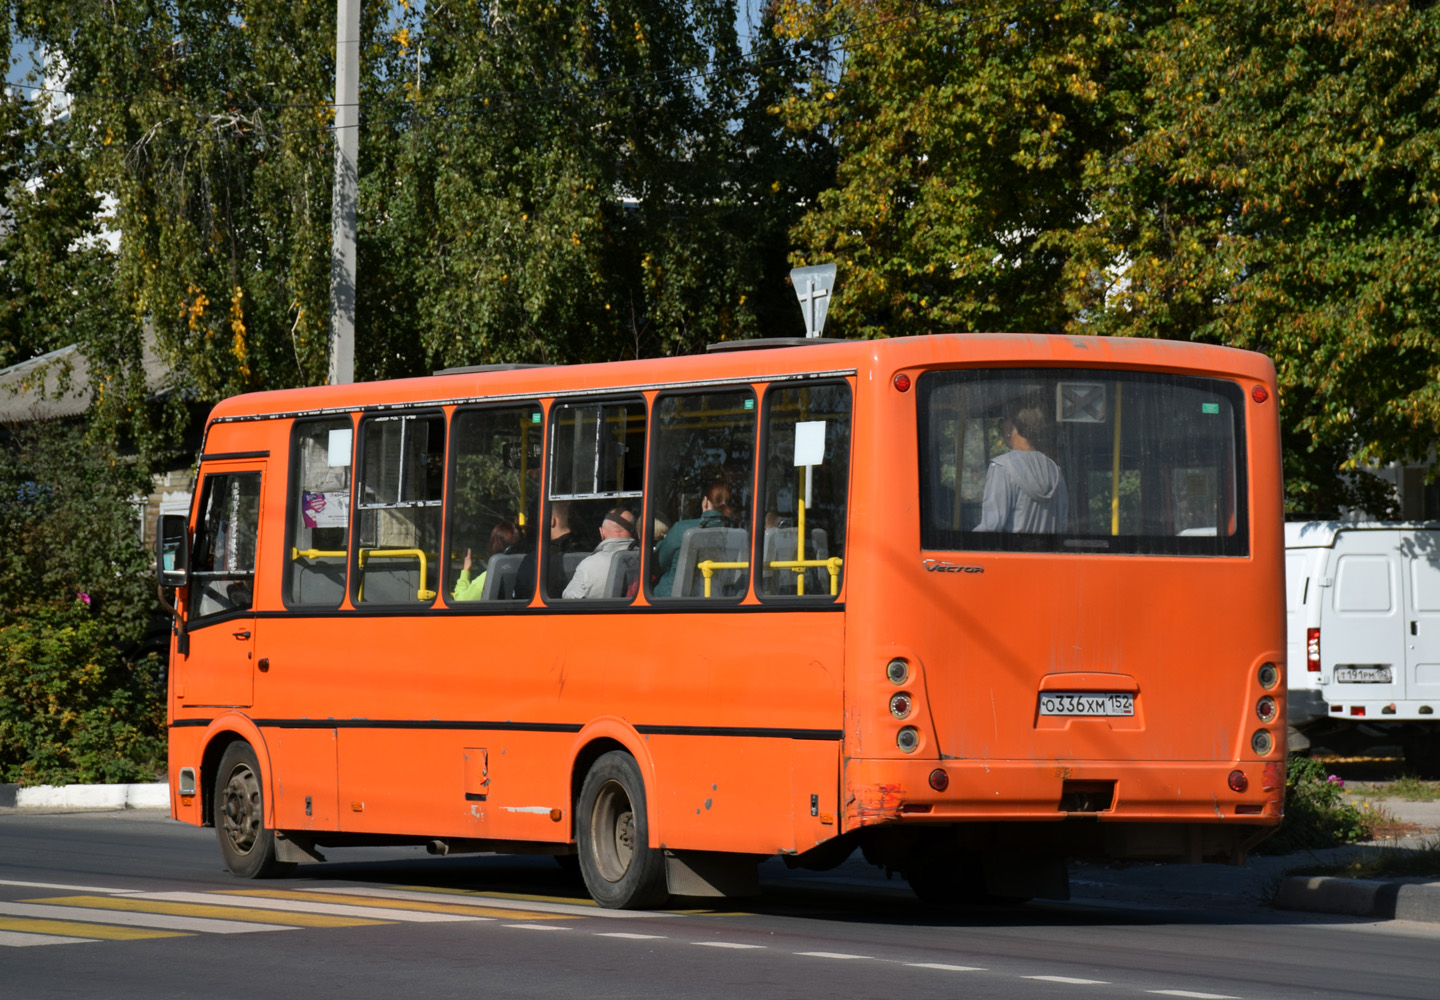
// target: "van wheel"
[[246, 845], [620, 869]]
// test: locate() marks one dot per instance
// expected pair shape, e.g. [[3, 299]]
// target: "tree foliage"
[[1263, 177], [540, 181], [80, 698]]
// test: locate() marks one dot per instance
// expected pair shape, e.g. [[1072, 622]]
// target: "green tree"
[[1263, 177], [579, 181]]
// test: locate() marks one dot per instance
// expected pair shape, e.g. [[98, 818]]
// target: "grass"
[[1384, 862], [1407, 787]]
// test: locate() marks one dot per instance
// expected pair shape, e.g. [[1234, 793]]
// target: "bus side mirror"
[[172, 550]]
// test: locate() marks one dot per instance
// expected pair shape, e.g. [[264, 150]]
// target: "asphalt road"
[[134, 905]]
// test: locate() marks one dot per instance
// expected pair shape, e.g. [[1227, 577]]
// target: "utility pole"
[[344, 213]]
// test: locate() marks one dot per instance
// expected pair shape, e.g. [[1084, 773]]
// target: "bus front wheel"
[[246, 844], [621, 869]]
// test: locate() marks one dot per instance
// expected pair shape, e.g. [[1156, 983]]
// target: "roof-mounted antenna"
[[812, 287]]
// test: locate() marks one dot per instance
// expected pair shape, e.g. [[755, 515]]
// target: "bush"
[[72, 709], [1316, 813], [81, 691]]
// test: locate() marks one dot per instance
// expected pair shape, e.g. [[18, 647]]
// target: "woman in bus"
[[502, 536]]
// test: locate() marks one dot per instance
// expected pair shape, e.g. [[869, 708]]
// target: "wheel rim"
[[612, 829], [241, 809]]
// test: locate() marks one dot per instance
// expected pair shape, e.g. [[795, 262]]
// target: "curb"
[[147, 796], [1358, 897]]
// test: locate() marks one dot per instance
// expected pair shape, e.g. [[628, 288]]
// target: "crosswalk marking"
[[67, 888], [260, 899], [532, 905], [471, 910], [15, 939], [205, 905], [131, 918], [72, 928]]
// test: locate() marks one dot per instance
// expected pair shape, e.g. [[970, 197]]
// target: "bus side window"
[[803, 491], [319, 529], [494, 493], [704, 461], [402, 474], [223, 563], [595, 492]]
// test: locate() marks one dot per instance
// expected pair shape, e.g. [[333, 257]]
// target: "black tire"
[[246, 844], [621, 870]]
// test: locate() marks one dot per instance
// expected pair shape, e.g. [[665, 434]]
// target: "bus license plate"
[[1362, 675], [1087, 703]]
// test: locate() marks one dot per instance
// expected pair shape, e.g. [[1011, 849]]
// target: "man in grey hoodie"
[[1024, 490]]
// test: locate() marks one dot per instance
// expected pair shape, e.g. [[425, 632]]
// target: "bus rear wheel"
[[246, 844], [621, 870]]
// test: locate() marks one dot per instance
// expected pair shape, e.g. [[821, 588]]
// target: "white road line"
[[537, 927], [305, 906], [630, 937], [1195, 996], [726, 944], [128, 918], [1068, 979], [16, 939], [943, 967], [828, 954], [495, 903], [91, 889]]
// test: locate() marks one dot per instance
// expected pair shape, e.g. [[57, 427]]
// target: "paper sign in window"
[[338, 450], [810, 442], [326, 510]]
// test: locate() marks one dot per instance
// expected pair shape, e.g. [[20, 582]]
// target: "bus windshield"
[[1081, 460]]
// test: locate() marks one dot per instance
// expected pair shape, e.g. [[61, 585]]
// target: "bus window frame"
[[542, 547], [291, 509], [757, 542], [507, 605], [648, 543], [354, 579]]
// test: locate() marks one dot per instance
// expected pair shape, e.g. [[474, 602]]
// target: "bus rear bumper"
[[1111, 808]]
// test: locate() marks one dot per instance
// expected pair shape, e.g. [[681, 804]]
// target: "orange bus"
[[970, 603]]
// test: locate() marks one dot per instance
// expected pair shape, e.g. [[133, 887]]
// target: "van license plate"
[[1362, 675], [1087, 703]]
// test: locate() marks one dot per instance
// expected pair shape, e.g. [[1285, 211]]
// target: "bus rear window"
[[1081, 460]]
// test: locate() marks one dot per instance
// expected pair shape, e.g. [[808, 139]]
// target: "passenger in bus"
[[714, 502], [502, 536], [617, 533], [562, 540], [1024, 489]]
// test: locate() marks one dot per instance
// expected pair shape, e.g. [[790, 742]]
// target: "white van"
[[1363, 635]]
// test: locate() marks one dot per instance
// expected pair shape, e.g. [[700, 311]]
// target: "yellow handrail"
[[832, 564], [316, 554], [421, 594], [709, 566]]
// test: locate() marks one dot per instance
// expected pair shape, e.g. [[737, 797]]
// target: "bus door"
[[219, 668]]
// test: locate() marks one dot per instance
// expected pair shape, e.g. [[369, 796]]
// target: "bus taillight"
[[1261, 742], [1238, 782], [1312, 650], [898, 671], [900, 705], [1265, 709]]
